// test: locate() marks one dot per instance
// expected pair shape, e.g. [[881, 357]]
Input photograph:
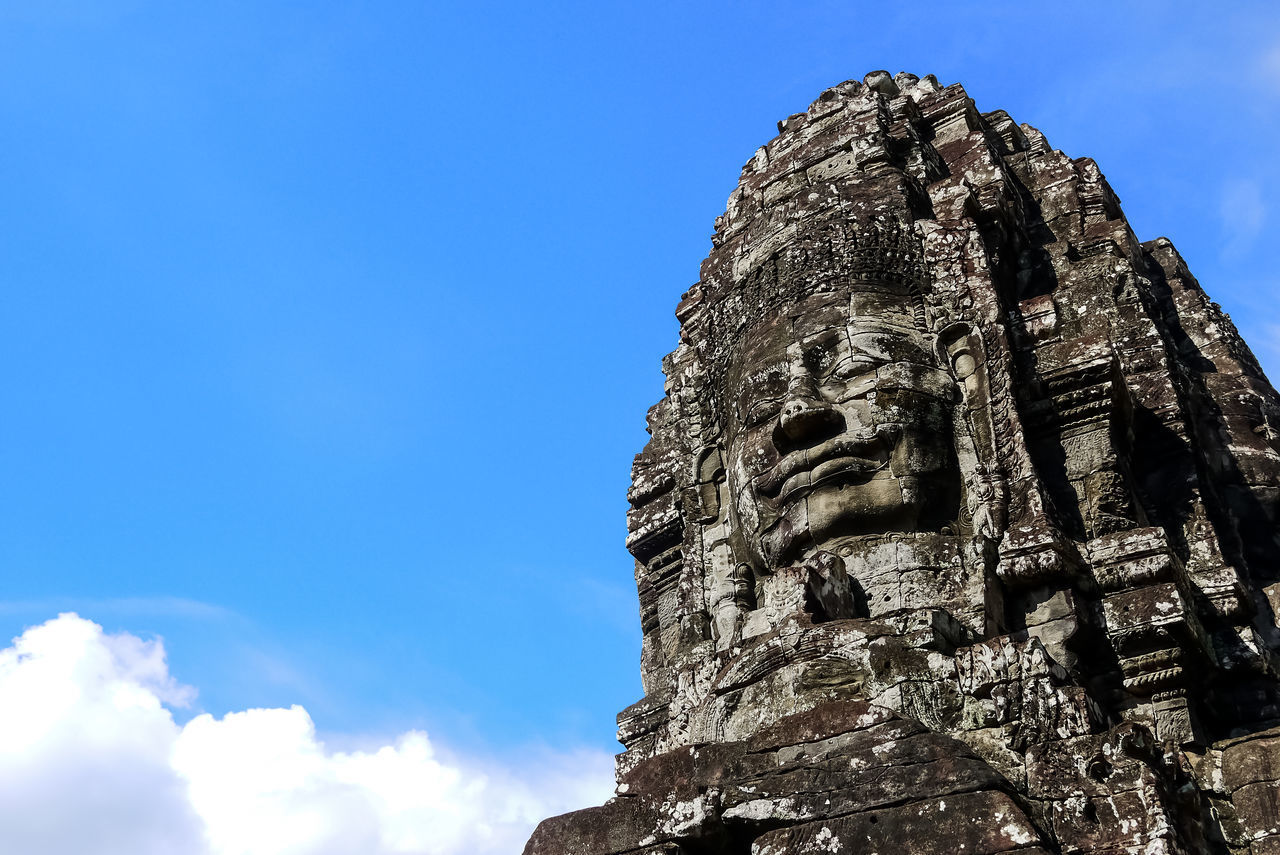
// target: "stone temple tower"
[[957, 530]]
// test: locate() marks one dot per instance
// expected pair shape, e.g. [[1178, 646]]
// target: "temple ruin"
[[957, 529]]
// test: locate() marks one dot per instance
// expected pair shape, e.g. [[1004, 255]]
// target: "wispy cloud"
[[1270, 69], [85, 732], [1242, 211], [1267, 349], [122, 607]]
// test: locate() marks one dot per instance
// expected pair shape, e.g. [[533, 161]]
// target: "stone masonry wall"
[[957, 528]]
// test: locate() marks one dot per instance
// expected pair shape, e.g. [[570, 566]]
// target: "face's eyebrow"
[[822, 337], [883, 345], [859, 349]]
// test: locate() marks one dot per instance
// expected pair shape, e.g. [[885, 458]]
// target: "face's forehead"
[[887, 307], [817, 315], [877, 321], [764, 350]]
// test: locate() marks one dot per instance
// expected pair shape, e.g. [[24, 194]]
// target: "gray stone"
[[957, 527]]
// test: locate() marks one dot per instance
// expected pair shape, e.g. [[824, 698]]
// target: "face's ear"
[[704, 498], [961, 352]]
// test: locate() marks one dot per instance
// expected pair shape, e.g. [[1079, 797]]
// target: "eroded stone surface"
[[957, 530]]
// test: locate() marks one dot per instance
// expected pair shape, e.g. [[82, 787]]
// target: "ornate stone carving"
[[957, 528]]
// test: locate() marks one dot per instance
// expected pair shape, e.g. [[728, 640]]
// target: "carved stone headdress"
[[824, 257]]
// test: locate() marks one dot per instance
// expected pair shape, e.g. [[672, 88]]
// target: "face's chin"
[[876, 506]]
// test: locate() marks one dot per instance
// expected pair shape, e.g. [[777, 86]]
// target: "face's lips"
[[838, 469], [858, 452]]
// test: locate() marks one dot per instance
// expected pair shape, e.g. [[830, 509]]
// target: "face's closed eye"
[[762, 396], [762, 411], [852, 377], [852, 367]]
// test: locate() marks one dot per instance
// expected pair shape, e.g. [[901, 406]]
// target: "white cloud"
[[92, 761]]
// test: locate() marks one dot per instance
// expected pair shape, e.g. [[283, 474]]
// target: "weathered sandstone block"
[[957, 528]]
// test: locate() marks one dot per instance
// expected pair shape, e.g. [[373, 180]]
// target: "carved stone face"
[[838, 426]]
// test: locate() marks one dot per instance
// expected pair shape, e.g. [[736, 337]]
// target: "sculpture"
[[957, 530]]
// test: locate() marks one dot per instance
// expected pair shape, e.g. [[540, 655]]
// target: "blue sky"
[[329, 328]]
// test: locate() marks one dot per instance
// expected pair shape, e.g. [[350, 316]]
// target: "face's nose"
[[805, 418]]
